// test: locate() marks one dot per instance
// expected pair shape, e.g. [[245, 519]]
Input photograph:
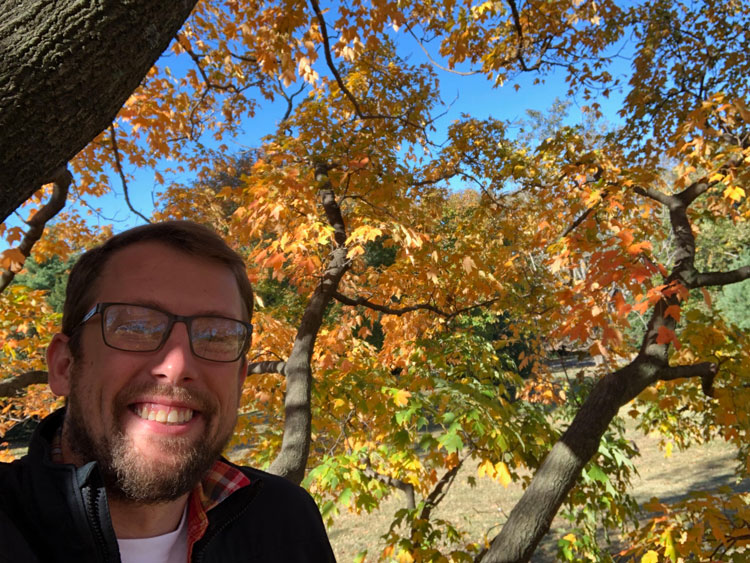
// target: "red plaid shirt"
[[221, 481]]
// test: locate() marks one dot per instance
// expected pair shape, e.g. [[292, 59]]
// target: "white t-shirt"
[[167, 548]]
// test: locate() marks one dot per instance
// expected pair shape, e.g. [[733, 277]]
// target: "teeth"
[[162, 413]]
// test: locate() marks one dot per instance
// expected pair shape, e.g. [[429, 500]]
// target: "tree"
[[555, 234]]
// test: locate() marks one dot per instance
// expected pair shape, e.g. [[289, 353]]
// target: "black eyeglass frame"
[[100, 308]]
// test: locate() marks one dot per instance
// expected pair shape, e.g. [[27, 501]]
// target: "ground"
[[482, 509]]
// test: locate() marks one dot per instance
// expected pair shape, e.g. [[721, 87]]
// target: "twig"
[[123, 180]]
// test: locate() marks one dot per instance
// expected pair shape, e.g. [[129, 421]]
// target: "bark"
[[15, 385], [295, 444], [67, 68]]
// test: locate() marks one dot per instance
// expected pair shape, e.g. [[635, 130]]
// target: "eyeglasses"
[[138, 328]]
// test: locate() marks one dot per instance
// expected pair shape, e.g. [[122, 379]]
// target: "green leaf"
[[451, 442]]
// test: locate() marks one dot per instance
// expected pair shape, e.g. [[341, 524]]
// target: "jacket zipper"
[[92, 507]]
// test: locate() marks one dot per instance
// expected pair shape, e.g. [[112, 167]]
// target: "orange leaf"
[[666, 336], [673, 311], [12, 259]]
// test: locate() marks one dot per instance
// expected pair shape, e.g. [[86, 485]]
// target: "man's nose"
[[175, 360]]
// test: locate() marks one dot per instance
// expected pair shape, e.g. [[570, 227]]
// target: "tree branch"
[[722, 278], [12, 386], [295, 445], [433, 61], [123, 180], [62, 179], [266, 367], [656, 195], [385, 309], [403, 486], [332, 67], [532, 515], [441, 489], [706, 371]]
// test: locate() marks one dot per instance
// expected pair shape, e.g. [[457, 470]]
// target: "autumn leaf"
[[667, 336], [12, 259], [401, 397], [673, 311], [468, 264]]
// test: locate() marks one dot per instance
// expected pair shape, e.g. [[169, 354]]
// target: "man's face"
[[155, 421]]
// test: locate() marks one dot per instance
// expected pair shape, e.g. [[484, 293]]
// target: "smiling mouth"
[[163, 413]]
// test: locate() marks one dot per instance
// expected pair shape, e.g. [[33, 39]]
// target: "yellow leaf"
[[486, 468], [503, 475], [401, 398], [650, 557], [570, 538], [735, 193]]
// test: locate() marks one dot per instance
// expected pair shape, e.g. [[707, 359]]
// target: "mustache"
[[197, 399]]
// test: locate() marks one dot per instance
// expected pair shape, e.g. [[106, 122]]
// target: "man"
[[151, 360]]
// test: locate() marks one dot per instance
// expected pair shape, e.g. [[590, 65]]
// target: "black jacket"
[[52, 512]]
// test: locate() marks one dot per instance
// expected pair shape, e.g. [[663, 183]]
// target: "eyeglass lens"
[[142, 329]]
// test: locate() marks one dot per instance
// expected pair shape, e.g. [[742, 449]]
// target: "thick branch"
[[266, 367], [722, 278], [701, 370], [62, 179], [656, 195], [706, 371], [12, 386], [441, 489]]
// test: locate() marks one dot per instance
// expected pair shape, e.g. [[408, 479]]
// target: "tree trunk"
[[531, 517], [67, 68]]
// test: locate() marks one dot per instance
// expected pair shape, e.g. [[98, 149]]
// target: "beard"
[[128, 475]]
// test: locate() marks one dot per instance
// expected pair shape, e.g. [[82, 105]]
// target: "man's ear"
[[59, 364]]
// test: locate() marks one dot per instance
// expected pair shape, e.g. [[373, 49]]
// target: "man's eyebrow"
[[200, 313]]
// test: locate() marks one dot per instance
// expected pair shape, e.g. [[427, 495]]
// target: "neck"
[[131, 520]]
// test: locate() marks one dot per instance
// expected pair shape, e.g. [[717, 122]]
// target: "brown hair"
[[185, 236]]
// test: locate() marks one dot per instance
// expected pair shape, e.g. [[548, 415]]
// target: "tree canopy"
[[415, 275]]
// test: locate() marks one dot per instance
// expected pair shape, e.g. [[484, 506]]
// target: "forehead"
[[156, 274]]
